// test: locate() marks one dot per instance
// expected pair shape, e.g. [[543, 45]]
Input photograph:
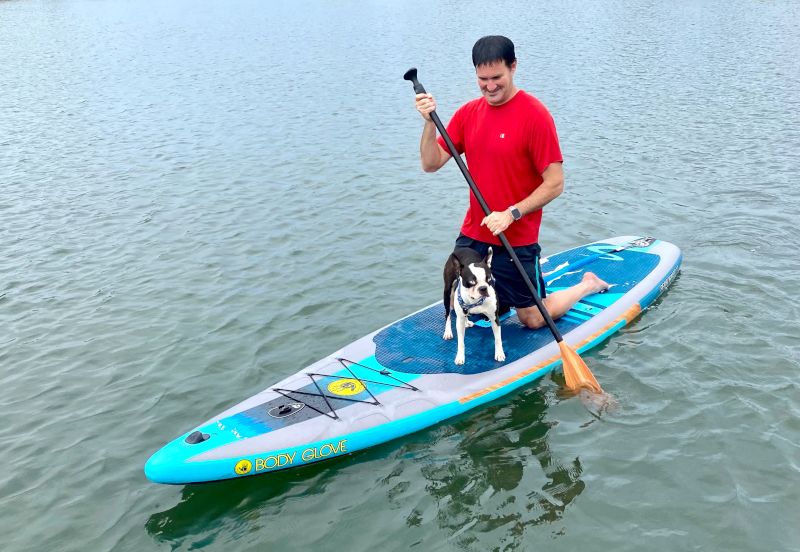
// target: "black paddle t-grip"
[[411, 75]]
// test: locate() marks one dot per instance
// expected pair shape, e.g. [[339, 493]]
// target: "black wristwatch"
[[515, 212]]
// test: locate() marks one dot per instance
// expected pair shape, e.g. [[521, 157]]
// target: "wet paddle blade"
[[598, 404], [577, 375]]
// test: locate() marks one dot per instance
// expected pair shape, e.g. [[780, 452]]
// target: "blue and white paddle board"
[[402, 378]]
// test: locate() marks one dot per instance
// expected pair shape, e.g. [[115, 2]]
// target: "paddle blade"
[[577, 375]]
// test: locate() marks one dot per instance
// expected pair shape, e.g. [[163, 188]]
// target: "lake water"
[[200, 198]]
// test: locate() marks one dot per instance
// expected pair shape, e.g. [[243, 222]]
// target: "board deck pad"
[[415, 344], [403, 377]]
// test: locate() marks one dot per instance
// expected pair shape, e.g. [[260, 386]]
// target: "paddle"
[[576, 374]]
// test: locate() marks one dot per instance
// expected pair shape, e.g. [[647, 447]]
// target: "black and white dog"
[[469, 289]]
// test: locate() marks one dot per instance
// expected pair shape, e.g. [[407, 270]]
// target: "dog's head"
[[476, 274]]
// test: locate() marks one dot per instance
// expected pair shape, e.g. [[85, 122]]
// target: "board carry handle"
[[576, 374]]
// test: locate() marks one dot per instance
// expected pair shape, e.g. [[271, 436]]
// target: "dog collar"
[[467, 306]]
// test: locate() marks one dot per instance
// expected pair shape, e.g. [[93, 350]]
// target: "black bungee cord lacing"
[[346, 364]]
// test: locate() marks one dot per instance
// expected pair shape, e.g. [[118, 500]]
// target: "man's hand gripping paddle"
[[576, 374]]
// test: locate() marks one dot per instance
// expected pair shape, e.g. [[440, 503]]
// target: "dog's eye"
[[471, 283]]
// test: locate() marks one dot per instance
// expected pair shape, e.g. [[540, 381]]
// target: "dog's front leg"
[[499, 354], [461, 325], [447, 301], [448, 332]]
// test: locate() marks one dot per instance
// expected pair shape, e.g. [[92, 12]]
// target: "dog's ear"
[[488, 259]]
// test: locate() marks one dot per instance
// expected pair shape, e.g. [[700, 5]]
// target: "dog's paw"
[[448, 333], [459, 359], [469, 323], [499, 356]]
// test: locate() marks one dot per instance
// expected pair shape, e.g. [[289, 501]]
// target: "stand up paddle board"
[[402, 378]]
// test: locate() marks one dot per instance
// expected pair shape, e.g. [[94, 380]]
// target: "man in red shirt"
[[511, 146]]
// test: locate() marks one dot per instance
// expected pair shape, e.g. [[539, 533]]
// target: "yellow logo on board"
[[345, 387], [243, 467]]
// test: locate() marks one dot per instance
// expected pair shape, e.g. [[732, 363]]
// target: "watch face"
[[516, 214]]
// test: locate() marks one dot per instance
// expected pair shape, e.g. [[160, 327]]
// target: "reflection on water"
[[491, 474], [504, 447], [204, 508]]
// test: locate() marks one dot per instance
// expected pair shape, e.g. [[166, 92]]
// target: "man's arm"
[[551, 187], [430, 152]]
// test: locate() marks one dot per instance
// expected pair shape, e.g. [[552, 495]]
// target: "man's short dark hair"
[[490, 49]]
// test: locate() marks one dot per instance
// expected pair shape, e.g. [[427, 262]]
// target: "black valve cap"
[[197, 437]]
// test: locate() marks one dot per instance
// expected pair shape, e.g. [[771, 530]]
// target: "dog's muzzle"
[[467, 306]]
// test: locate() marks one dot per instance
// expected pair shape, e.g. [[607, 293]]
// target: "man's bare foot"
[[593, 283]]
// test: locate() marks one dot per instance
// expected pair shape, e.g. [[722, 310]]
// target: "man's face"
[[496, 81]]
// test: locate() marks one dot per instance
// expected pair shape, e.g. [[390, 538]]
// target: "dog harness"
[[467, 306]]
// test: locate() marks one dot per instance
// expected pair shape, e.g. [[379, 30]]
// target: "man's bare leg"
[[561, 301]]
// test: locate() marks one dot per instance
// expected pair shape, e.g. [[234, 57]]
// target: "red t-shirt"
[[507, 148]]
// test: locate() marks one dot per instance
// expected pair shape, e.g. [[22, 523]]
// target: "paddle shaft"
[[419, 89]]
